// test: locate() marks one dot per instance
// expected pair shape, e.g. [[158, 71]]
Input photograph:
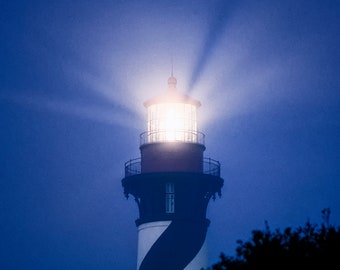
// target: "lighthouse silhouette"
[[172, 184]]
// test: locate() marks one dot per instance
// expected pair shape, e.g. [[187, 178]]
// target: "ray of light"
[[90, 112]]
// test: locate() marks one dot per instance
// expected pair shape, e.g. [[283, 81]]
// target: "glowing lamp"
[[172, 117]]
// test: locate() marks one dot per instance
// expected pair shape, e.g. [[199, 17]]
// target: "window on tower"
[[169, 198]]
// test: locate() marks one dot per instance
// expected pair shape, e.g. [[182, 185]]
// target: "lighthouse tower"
[[172, 184]]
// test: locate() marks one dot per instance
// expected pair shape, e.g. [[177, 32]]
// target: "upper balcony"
[[187, 136], [210, 167]]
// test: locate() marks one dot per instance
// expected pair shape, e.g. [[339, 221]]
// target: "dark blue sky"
[[73, 78]]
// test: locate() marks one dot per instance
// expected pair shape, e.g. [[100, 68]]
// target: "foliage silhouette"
[[306, 247]]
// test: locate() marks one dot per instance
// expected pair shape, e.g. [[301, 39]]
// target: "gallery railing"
[[210, 166]]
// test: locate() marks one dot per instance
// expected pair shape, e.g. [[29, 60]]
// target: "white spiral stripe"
[[148, 233], [200, 259]]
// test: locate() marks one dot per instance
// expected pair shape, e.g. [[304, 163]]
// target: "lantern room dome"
[[172, 96]]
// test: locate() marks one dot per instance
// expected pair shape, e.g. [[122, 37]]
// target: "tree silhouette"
[[308, 247]]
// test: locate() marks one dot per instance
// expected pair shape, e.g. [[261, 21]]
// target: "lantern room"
[[172, 141], [172, 117]]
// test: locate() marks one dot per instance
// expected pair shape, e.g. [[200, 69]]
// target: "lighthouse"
[[172, 183]]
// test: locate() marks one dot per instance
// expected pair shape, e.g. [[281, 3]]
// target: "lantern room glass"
[[172, 122]]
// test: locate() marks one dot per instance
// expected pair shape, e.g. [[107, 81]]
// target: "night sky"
[[74, 75]]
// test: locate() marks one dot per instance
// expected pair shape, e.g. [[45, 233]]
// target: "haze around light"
[[213, 64]]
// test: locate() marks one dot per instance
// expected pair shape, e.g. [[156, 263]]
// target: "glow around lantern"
[[172, 122], [172, 117]]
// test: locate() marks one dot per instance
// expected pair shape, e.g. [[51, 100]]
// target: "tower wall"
[[172, 157], [175, 240], [172, 245], [200, 260], [148, 233]]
